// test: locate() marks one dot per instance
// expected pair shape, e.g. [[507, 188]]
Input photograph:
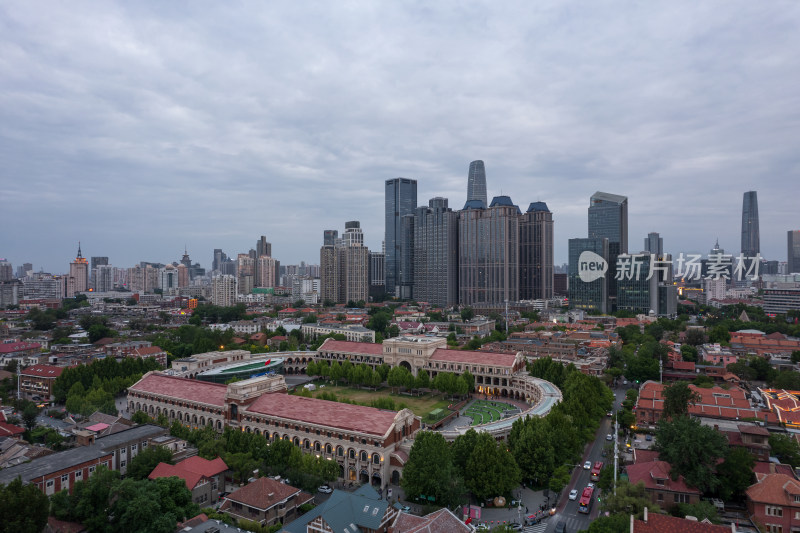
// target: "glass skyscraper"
[[750, 239], [608, 218], [536, 253], [594, 294], [476, 184], [401, 200], [793, 256]]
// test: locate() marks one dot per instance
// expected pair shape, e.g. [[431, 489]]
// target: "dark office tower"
[[329, 237], [488, 253], [654, 244], [436, 254], [219, 258], [608, 218], [592, 294], [401, 200], [476, 183], [750, 240], [793, 258], [536, 253], [263, 247], [94, 263], [406, 258]]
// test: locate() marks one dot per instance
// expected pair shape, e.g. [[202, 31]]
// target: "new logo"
[[591, 266]]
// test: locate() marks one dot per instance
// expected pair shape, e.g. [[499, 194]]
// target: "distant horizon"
[[140, 128]]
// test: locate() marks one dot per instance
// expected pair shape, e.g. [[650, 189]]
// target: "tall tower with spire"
[[78, 280]]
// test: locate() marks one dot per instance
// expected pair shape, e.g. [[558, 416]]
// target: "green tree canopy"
[[677, 399], [692, 450], [491, 470], [146, 460], [785, 448], [629, 500], [736, 473], [23, 508], [430, 471]]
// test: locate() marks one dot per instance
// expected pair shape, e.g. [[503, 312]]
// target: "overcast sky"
[[140, 127]]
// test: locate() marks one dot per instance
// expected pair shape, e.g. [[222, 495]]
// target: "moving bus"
[[585, 503], [598, 466]]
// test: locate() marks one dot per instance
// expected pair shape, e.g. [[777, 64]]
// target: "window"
[[64, 478], [78, 475], [774, 511], [774, 528], [660, 497], [91, 470], [133, 447], [122, 464], [50, 483], [144, 445], [681, 498], [659, 482]]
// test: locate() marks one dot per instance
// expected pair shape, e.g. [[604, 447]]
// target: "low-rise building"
[[659, 485], [360, 510], [353, 333], [203, 478], [774, 502], [36, 382], [61, 470], [152, 351], [661, 523], [265, 501], [717, 354]]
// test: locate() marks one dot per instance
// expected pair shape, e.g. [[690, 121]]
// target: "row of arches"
[[172, 415]]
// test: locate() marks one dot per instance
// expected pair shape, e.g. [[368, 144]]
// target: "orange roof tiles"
[[775, 489], [324, 413], [182, 388], [262, 493], [470, 357], [659, 523]]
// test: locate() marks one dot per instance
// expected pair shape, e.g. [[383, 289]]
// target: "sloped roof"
[[166, 470], [659, 523], [441, 521], [204, 466], [774, 489], [182, 388], [366, 348], [43, 371], [649, 472], [262, 493], [325, 413], [473, 358], [362, 508]]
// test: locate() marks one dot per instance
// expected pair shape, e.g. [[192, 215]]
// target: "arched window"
[[376, 459], [339, 451], [362, 456], [328, 448], [351, 453], [316, 446]]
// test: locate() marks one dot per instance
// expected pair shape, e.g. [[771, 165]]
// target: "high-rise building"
[[329, 237], [104, 278], [245, 273], [219, 258], [183, 275], [608, 218], [344, 267], [265, 267], [435, 254], [593, 294], [476, 184], [224, 290], [352, 235], [24, 270], [263, 247], [95, 262], [168, 279], [78, 280], [488, 253], [793, 256], [327, 266], [6, 270], [406, 258], [654, 244], [377, 278], [401, 200], [750, 236], [536, 253]]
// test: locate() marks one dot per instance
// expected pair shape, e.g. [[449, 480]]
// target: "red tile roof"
[[262, 493], [659, 523], [325, 413], [647, 473], [185, 389], [43, 371], [365, 348], [10, 430], [148, 350], [762, 468], [11, 347], [775, 489], [474, 358], [190, 470]]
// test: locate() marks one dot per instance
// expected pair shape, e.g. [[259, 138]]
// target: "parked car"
[[590, 485], [405, 509], [325, 489], [609, 437], [587, 465], [573, 494], [515, 526], [648, 438], [561, 527]]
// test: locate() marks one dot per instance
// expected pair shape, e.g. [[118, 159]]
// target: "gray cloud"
[[140, 127]]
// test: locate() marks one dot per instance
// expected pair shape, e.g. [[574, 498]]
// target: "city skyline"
[[144, 129]]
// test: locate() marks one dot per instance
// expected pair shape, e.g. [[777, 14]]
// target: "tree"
[[462, 448], [736, 473], [689, 353], [145, 461], [787, 380], [695, 337], [785, 448], [24, 508], [560, 479], [491, 469], [700, 510], [692, 450], [615, 523], [467, 314], [29, 414], [795, 356], [677, 399], [430, 471], [629, 500]]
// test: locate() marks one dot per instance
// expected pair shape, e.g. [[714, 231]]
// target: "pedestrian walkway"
[[538, 528]]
